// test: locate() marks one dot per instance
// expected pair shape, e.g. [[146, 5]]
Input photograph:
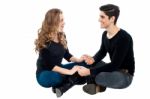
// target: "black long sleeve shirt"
[[120, 49], [51, 56]]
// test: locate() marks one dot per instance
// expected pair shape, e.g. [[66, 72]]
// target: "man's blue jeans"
[[115, 79]]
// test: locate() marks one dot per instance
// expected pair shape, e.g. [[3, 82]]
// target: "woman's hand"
[[83, 71], [81, 59], [78, 60], [73, 70]]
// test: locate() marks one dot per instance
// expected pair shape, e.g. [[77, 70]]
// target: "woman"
[[52, 47]]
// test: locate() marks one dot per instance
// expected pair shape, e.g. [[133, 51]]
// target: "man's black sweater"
[[120, 49]]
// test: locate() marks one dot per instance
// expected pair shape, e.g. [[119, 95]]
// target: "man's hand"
[[88, 59]]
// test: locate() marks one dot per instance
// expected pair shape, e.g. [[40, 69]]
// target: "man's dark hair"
[[111, 10]]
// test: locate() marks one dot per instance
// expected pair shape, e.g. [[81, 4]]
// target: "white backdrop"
[[20, 20]]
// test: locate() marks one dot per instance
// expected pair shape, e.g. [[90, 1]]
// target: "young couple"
[[52, 47]]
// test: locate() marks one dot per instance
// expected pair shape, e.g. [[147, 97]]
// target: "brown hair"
[[49, 29]]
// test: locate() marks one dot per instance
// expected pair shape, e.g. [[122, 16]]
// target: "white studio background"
[[20, 20]]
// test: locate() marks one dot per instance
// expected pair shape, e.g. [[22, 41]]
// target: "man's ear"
[[112, 19]]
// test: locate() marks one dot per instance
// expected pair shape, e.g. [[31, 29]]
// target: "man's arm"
[[118, 57], [102, 51]]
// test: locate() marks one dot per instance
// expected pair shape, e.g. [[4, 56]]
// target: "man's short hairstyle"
[[111, 10]]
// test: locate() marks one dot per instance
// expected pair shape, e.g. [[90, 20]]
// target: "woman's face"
[[61, 24]]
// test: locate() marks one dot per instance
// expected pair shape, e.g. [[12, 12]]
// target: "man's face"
[[104, 20]]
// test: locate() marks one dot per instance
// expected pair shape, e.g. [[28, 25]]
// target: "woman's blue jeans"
[[52, 79]]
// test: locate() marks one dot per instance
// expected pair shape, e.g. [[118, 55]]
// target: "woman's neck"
[[55, 38]]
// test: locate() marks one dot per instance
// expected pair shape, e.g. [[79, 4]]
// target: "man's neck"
[[112, 31]]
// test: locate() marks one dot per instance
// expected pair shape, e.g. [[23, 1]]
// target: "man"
[[118, 44]]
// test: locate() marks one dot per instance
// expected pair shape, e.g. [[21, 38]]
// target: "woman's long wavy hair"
[[49, 29]]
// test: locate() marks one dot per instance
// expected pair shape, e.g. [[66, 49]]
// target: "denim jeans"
[[115, 79], [53, 79]]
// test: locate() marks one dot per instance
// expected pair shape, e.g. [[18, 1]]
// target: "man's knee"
[[113, 80]]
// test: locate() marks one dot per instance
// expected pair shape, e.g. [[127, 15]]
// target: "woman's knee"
[[49, 79]]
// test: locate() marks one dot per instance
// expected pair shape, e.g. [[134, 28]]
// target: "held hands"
[[73, 70], [82, 71], [88, 59]]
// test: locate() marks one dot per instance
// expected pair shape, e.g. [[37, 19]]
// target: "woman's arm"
[[65, 71], [78, 60]]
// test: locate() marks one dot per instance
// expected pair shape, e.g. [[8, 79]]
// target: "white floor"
[[20, 20]]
